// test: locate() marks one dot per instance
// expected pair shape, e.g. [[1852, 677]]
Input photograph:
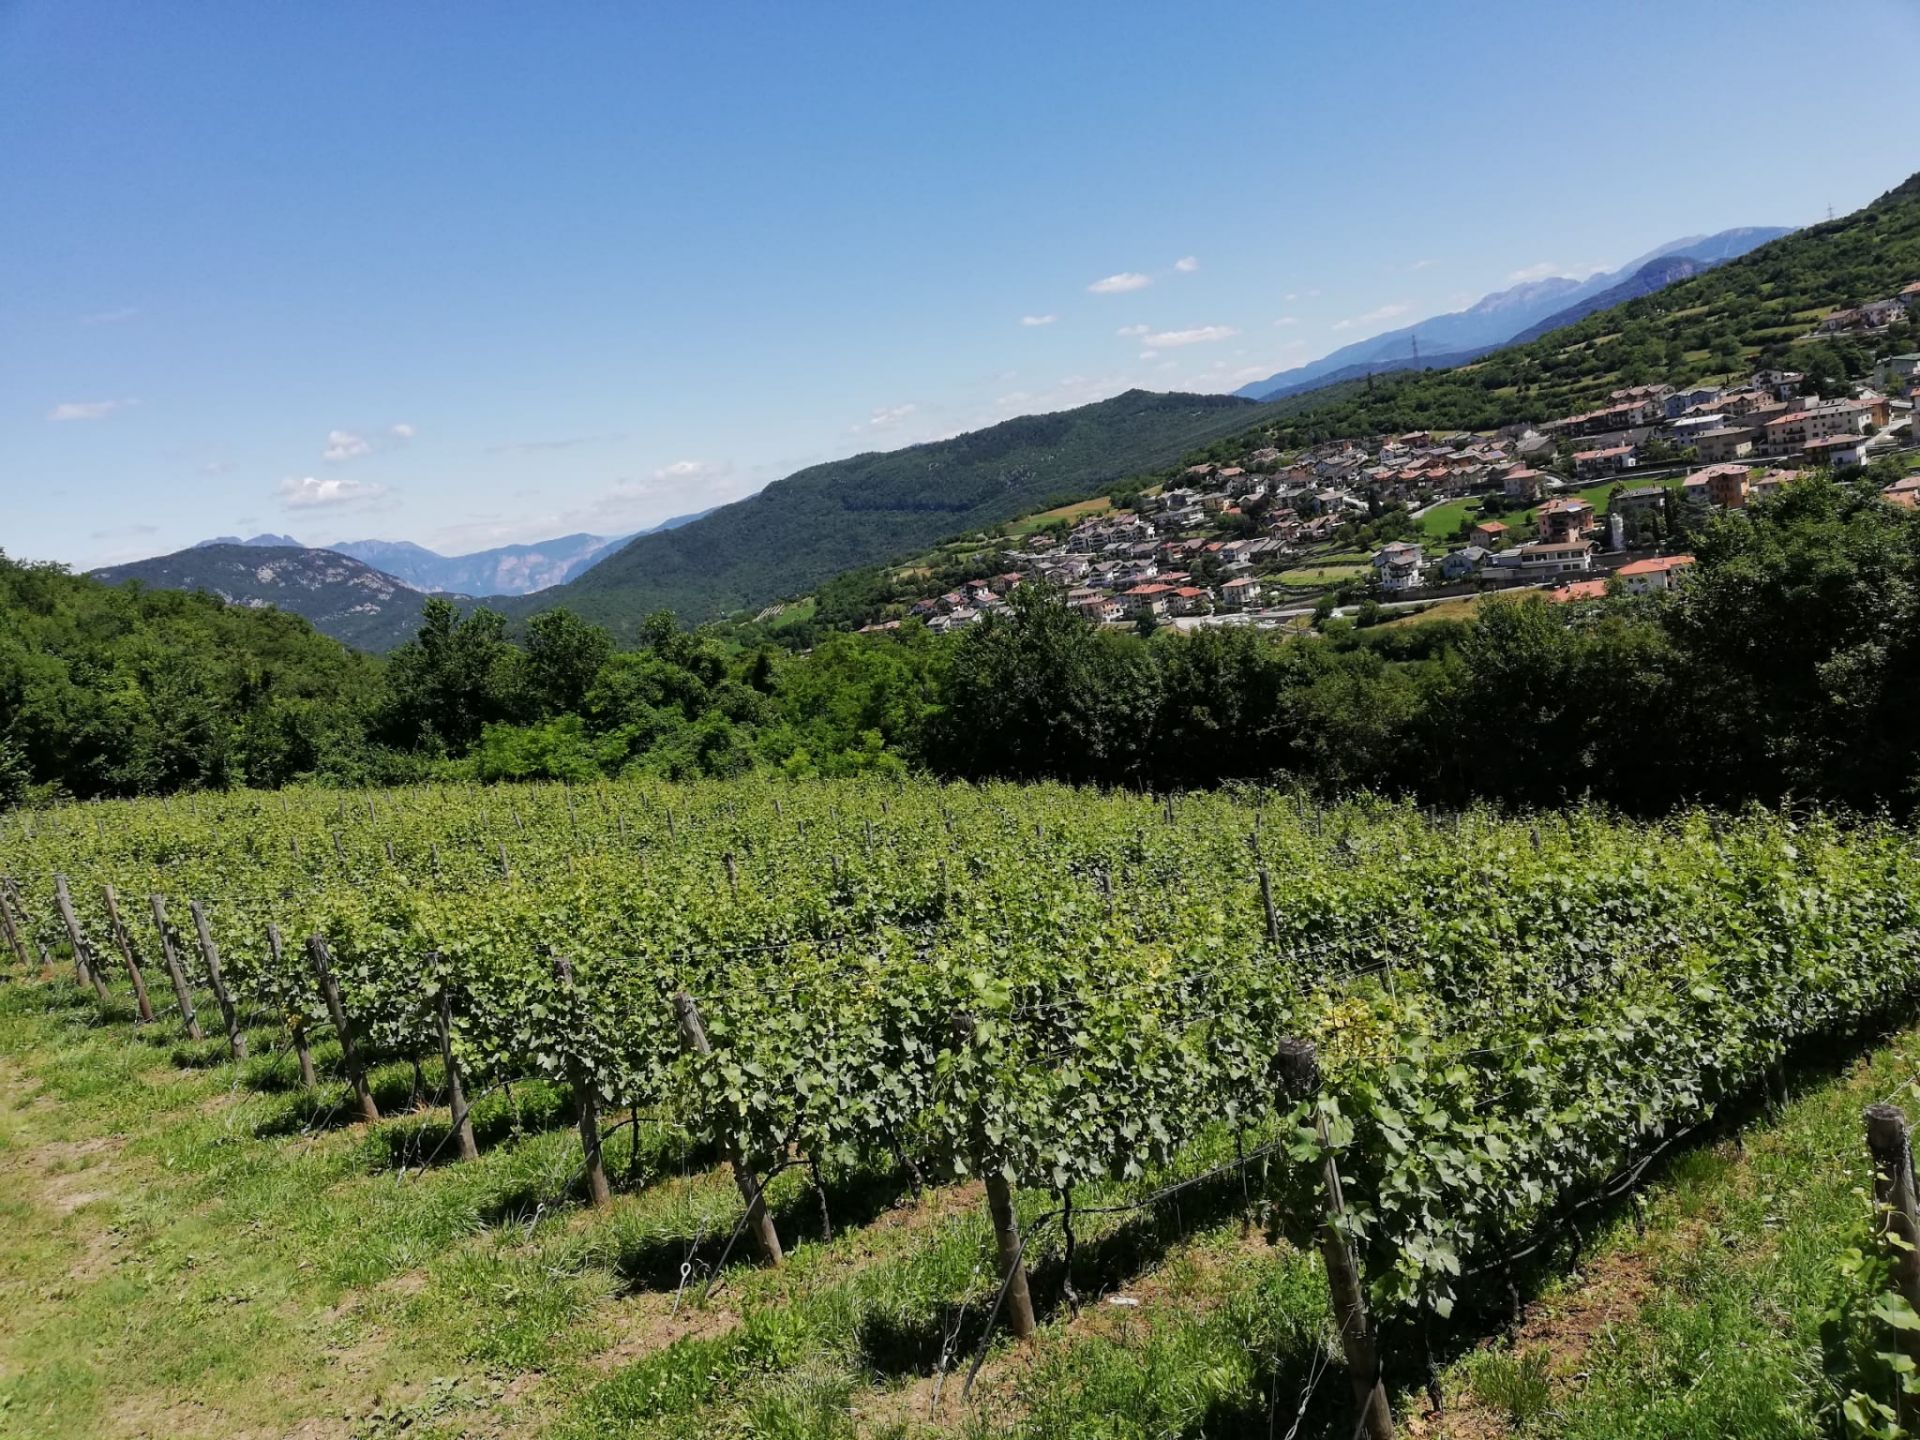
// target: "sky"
[[469, 273]]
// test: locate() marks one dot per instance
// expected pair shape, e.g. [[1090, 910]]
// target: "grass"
[[1321, 576], [1464, 607], [1706, 1310], [1079, 510], [189, 1255], [195, 1248]]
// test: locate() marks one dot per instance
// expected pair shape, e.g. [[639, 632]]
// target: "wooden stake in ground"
[[1893, 1190], [84, 970], [349, 1054], [7, 923], [991, 1168], [178, 976], [24, 921], [296, 1023], [462, 1118], [217, 982], [766, 1239], [1266, 899], [587, 1096], [127, 953], [1300, 1069]]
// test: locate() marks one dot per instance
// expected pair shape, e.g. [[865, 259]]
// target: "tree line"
[[1787, 666]]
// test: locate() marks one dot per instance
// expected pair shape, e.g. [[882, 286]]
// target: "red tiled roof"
[[1659, 565], [1578, 590]]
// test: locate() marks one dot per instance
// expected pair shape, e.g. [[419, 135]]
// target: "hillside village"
[[1565, 504]]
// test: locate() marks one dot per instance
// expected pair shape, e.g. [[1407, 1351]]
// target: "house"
[[1722, 485], [1578, 590], [1715, 447], [1896, 370], [1463, 564], [1838, 452], [1694, 398], [1565, 518], [1240, 594], [1398, 566], [1598, 464], [1188, 600], [1904, 492], [1651, 577], [1550, 557], [1521, 483], [1688, 429], [1148, 599], [1790, 433], [1490, 534]]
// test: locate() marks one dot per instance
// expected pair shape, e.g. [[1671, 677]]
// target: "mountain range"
[[504, 570], [1497, 319]]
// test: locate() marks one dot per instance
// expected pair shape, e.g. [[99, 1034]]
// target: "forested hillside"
[[876, 507], [123, 690]]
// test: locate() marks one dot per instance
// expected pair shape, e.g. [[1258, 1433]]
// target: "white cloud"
[[345, 445], [1120, 284], [1038, 319], [1199, 335], [110, 317], [310, 493], [87, 409], [1423, 264], [1128, 331], [401, 431], [1540, 271], [1187, 264], [1149, 354], [680, 471], [1373, 317], [1288, 320], [888, 418]]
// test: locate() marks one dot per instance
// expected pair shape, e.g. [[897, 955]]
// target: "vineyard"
[[1421, 1048]]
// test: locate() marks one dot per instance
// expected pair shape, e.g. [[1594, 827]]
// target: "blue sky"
[[471, 273]]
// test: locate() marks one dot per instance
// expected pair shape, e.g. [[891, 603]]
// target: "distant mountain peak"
[[1493, 320], [263, 540]]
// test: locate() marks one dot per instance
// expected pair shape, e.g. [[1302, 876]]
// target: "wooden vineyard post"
[[1300, 1070], [125, 941], [733, 872], [1006, 1221], [85, 971], [349, 1054], [462, 1117], [174, 972], [1893, 1190], [217, 982], [599, 1192], [766, 1239], [14, 940], [1266, 899], [296, 1024], [36, 950]]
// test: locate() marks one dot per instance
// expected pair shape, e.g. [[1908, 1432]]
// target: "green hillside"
[[877, 507], [126, 690], [1754, 312]]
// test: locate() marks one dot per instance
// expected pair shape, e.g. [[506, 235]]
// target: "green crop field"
[[777, 1108]]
